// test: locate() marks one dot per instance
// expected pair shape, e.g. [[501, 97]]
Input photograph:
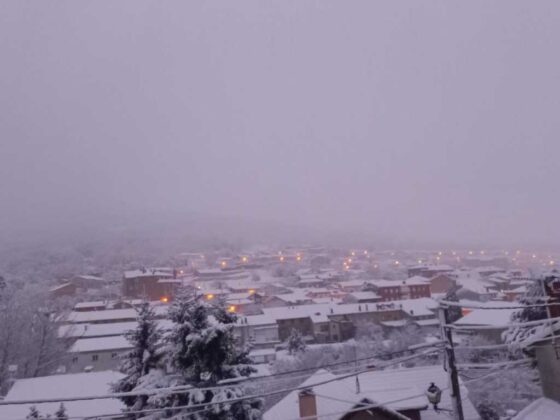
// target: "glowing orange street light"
[[223, 264], [251, 291], [209, 296], [164, 299], [244, 259], [282, 258], [232, 309], [298, 258]]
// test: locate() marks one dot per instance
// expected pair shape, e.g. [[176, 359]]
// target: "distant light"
[[181, 272], [551, 262], [298, 258], [440, 253], [251, 291], [232, 309], [481, 252], [282, 258], [453, 253], [419, 261], [518, 252], [349, 260], [223, 263], [365, 252], [397, 262], [209, 296], [244, 259], [534, 256], [470, 252], [375, 266], [164, 299]]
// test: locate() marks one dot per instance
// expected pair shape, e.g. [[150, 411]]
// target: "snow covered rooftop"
[[543, 409], [320, 312], [103, 316], [384, 387], [104, 330], [488, 317], [84, 345], [60, 386], [150, 272], [85, 305], [364, 295]]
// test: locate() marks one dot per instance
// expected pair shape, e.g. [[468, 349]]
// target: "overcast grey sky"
[[434, 120]]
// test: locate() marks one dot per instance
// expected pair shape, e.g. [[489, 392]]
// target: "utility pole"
[[451, 367]]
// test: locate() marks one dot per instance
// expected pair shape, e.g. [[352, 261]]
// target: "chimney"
[[307, 404]]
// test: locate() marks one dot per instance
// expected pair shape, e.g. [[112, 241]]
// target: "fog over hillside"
[[424, 123]]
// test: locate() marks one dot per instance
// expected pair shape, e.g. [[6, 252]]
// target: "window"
[[75, 359], [95, 358], [114, 355]]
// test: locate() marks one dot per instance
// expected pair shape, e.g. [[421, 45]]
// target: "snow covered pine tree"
[[60, 414], [33, 413], [202, 351], [535, 295], [145, 356]]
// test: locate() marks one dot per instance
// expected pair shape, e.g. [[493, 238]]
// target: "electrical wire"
[[483, 306], [189, 388], [244, 398]]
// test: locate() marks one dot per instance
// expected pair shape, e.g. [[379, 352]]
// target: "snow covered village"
[[279, 210], [295, 333]]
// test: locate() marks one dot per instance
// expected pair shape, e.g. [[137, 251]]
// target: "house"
[[396, 393], [262, 355], [352, 285], [412, 288], [488, 323], [87, 281], [261, 331], [331, 322], [473, 287], [144, 283], [514, 294], [90, 306], [441, 283], [97, 354], [65, 386], [362, 297], [429, 271], [65, 289], [102, 317]]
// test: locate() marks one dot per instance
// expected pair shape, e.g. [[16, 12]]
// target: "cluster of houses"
[[325, 296]]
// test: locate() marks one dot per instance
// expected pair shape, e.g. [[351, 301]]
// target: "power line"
[[491, 365], [545, 321], [483, 306], [189, 388], [244, 398]]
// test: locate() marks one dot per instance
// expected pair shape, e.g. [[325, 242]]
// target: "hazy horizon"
[[390, 122]]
